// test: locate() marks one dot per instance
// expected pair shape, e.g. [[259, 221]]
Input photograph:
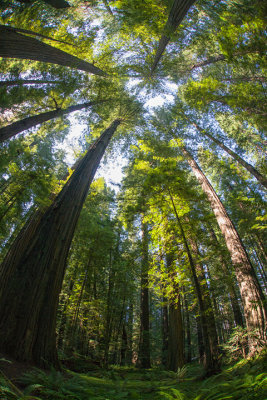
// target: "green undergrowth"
[[245, 380]]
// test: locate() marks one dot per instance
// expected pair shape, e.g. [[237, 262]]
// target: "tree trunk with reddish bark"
[[177, 13], [31, 274], [16, 45], [251, 293], [30, 122]]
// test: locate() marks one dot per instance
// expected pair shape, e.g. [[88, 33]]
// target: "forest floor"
[[244, 380]]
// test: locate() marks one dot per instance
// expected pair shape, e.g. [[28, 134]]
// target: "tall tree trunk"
[[175, 357], [129, 356], [26, 123], [32, 273], [108, 327], [27, 82], [78, 305], [16, 45], [210, 361], [177, 13], [213, 338], [54, 3], [188, 332], [250, 290], [124, 345], [229, 283], [218, 58], [144, 344], [165, 331], [63, 319], [176, 336], [58, 3], [260, 178], [200, 341]]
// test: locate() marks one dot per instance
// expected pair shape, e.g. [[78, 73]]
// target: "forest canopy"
[[166, 267]]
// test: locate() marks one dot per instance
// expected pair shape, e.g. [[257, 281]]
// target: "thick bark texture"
[[250, 290], [32, 273], [26, 123], [144, 344], [176, 337], [16, 45], [177, 14], [260, 178]]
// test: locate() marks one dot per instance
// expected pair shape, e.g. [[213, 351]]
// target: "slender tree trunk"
[[108, 327], [260, 178], [175, 355], [213, 337], [63, 319], [107, 7], [16, 45], [250, 290], [177, 13], [124, 345], [129, 356], [54, 3], [188, 332], [165, 331], [200, 341], [218, 58], [27, 82], [210, 361], [144, 344], [17, 127], [32, 273], [78, 305], [229, 283], [260, 244], [58, 3]]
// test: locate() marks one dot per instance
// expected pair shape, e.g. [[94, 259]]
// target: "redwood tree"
[[16, 45], [144, 345], [251, 293], [31, 275], [26, 123]]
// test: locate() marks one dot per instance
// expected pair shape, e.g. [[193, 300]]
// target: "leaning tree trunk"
[[144, 343], [260, 178], [250, 290], [26, 123], [32, 273], [177, 14], [16, 45]]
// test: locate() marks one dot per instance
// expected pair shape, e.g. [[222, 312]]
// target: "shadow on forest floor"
[[246, 380]]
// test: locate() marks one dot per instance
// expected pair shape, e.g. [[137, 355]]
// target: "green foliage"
[[9, 391], [244, 380]]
